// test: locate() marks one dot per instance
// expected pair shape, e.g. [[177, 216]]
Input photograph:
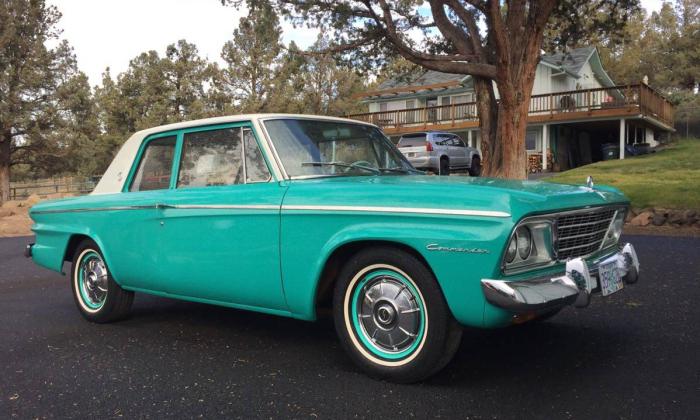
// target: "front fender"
[[460, 251]]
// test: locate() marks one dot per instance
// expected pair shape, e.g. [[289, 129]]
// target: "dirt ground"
[[14, 217]]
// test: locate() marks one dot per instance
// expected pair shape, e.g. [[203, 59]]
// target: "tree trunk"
[[4, 169], [487, 109], [511, 128]]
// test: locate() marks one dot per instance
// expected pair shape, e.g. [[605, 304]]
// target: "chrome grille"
[[582, 233]]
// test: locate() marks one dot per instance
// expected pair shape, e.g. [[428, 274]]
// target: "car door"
[[220, 224], [460, 150], [131, 232], [451, 150]]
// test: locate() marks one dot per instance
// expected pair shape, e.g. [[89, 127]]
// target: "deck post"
[[622, 138], [469, 138], [545, 145]]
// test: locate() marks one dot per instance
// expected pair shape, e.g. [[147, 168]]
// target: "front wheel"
[[98, 297], [391, 316], [444, 166]]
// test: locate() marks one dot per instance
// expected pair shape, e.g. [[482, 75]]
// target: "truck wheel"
[[475, 167], [444, 166], [391, 316], [98, 297]]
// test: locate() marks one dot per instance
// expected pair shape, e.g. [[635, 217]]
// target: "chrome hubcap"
[[94, 274], [389, 314]]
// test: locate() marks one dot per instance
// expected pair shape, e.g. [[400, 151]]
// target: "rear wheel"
[[98, 297], [391, 317], [444, 166], [475, 167]]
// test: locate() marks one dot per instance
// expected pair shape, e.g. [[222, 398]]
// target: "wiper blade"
[[399, 170], [342, 165]]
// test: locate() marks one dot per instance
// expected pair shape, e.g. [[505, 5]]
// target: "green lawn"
[[667, 179]]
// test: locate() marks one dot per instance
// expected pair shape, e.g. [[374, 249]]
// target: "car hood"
[[515, 197]]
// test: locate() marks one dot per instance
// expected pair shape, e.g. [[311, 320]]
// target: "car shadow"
[[542, 353]]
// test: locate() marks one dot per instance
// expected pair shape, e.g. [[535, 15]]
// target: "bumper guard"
[[574, 286]]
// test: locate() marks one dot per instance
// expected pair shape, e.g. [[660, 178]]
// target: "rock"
[[662, 212], [11, 204], [642, 219], [658, 220], [676, 217], [31, 200]]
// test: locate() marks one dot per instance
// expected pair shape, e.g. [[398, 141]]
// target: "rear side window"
[[156, 165], [458, 141], [412, 141], [256, 169], [211, 158]]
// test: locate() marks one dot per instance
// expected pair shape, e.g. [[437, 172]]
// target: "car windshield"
[[310, 147]]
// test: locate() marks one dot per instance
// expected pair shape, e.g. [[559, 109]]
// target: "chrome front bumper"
[[574, 286]]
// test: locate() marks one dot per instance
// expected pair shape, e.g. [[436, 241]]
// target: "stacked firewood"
[[534, 162]]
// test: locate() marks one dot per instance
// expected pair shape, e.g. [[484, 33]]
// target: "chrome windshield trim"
[[410, 210]]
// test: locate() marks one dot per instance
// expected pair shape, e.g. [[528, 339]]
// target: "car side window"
[[255, 166], [156, 165], [211, 158], [458, 142]]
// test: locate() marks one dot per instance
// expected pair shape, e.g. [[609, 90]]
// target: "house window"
[[383, 107], [410, 114], [460, 99], [533, 140]]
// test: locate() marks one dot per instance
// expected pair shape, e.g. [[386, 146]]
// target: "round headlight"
[[512, 250], [524, 242]]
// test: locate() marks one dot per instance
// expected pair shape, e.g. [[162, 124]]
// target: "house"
[[575, 110]]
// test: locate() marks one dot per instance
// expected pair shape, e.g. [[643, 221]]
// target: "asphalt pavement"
[[635, 354]]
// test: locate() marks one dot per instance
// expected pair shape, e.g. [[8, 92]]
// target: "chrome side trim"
[[114, 208], [223, 206], [167, 206], [411, 210], [363, 209]]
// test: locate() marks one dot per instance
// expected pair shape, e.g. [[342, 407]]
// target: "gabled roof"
[[430, 77], [570, 62]]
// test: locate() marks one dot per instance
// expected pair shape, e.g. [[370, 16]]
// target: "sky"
[[109, 33]]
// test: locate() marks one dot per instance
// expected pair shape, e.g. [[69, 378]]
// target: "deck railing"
[[594, 101]]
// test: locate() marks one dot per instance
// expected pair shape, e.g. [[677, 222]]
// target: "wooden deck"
[[580, 105]]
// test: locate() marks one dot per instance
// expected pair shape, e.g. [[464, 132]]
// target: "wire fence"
[[44, 187]]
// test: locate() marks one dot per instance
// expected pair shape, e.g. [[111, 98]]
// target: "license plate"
[[610, 281], [411, 154]]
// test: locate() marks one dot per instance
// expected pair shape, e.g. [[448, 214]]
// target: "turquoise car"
[[288, 214]]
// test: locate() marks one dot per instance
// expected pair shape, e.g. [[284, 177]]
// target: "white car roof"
[[114, 177]]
